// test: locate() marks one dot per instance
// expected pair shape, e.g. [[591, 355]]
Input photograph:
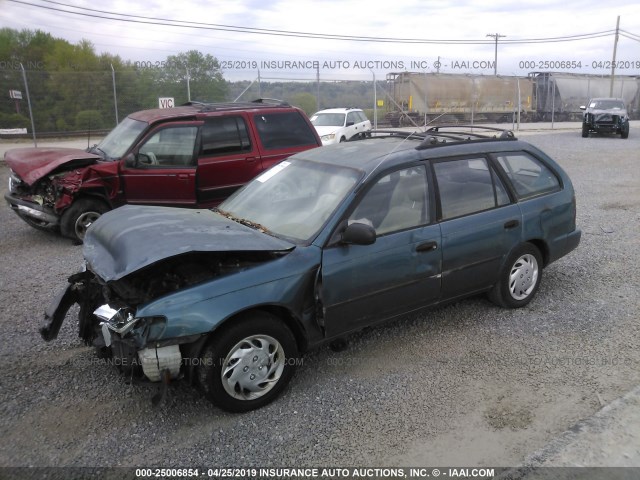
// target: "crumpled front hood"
[[31, 164], [131, 237], [618, 112]]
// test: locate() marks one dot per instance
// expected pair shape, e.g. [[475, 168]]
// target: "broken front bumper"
[[32, 210], [57, 310]]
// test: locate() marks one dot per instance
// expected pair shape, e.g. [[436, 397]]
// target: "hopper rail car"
[[426, 98]]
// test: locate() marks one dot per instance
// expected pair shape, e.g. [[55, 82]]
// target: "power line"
[[108, 15], [629, 35]]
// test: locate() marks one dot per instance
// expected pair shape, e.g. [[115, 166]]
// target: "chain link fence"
[[74, 102], [58, 103]]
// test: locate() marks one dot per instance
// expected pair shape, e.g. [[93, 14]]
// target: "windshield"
[[607, 104], [292, 199], [116, 144], [328, 119]]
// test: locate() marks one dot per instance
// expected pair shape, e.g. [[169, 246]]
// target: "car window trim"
[[333, 240], [235, 116], [513, 192], [166, 125], [490, 166]]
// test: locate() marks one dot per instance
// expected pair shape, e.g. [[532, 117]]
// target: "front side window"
[[528, 175], [169, 147], [467, 186], [397, 201], [284, 130]]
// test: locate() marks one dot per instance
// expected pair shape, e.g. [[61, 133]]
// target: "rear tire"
[[248, 364], [520, 278], [79, 216]]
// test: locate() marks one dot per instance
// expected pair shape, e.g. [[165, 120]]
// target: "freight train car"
[[422, 98], [562, 94]]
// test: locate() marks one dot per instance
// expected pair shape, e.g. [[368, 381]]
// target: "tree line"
[[71, 87]]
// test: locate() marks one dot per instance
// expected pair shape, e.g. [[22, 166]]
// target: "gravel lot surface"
[[468, 384]]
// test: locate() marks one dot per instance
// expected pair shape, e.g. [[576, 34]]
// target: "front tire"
[[520, 278], [585, 130], [248, 364], [624, 133], [79, 216]]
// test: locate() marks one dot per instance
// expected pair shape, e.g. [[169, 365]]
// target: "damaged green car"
[[326, 243]]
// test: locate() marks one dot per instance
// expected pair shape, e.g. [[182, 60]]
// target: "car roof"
[[385, 151], [199, 109], [339, 110]]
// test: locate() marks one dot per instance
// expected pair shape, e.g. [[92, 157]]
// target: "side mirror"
[[349, 124], [582, 107], [131, 161], [359, 234]]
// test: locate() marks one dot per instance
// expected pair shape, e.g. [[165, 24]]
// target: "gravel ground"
[[468, 384]]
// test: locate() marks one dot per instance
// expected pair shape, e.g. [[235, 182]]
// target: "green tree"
[[194, 72], [305, 101]]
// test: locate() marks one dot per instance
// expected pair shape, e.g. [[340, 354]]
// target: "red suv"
[[190, 156]]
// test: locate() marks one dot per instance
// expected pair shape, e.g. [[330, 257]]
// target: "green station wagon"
[[327, 242]]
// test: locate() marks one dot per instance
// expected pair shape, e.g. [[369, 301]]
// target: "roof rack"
[[213, 106], [271, 101], [447, 134]]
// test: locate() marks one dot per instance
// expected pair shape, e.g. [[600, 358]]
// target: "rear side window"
[[528, 175], [467, 186], [284, 130], [225, 135]]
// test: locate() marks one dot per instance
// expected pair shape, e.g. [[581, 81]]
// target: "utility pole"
[[495, 36], [613, 63]]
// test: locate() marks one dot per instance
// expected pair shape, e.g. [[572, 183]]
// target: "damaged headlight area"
[[127, 338], [42, 192], [107, 317], [122, 323]]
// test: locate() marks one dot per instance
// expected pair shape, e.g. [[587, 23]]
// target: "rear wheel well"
[[543, 248]]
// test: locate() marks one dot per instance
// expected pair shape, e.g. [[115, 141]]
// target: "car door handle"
[[251, 159], [511, 224], [427, 246]]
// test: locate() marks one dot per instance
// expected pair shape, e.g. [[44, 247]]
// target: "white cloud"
[[465, 20]]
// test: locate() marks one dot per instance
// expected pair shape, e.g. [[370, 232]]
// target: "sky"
[[416, 35]]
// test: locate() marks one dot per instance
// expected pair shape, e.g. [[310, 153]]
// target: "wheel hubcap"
[[253, 367], [84, 221], [523, 277]]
